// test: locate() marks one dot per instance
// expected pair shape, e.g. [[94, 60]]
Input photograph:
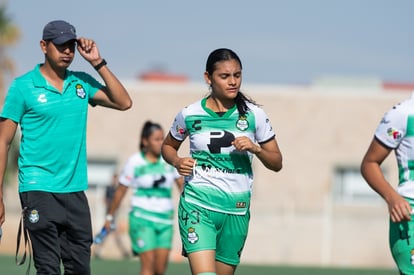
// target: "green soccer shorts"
[[401, 241], [203, 229], [147, 234]]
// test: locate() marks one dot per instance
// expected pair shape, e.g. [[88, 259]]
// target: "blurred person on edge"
[[395, 132]]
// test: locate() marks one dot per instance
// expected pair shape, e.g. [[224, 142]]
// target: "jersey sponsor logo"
[[270, 126], [242, 124], [412, 257], [212, 172], [384, 121], [196, 124], [220, 158], [192, 236], [80, 92], [180, 130], [158, 182], [34, 216], [42, 98], [218, 140], [394, 133], [241, 204]]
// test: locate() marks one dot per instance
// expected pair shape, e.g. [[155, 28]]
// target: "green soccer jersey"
[[53, 130], [396, 131], [152, 184], [222, 177]]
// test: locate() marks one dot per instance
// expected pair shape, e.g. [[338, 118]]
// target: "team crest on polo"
[[242, 123], [34, 216], [192, 235], [80, 92]]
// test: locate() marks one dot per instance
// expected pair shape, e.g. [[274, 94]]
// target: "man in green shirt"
[[50, 103]]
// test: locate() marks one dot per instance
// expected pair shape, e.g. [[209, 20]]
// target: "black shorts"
[[60, 229]]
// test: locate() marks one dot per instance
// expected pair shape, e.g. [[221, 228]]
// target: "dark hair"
[[147, 130], [224, 54]]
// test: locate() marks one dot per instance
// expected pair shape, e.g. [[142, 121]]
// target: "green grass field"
[[131, 267]]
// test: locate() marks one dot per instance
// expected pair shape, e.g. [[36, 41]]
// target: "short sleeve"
[[264, 129], [127, 174], [178, 129], [14, 106], [392, 128]]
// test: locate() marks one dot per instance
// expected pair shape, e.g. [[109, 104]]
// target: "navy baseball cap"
[[59, 32]]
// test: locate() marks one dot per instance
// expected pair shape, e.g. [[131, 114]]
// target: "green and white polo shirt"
[[222, 177], [53, 127]]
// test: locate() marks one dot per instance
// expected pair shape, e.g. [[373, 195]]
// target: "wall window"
[[100, 172], [350, 187]]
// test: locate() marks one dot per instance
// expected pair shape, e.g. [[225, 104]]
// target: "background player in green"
[[51, 104], [151, 215], [225, 130], [395, 133]]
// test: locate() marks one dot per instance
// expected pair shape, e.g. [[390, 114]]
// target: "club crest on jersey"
[[242, 123], [394, 133], [192, 235], [34, 216], [80, 92]]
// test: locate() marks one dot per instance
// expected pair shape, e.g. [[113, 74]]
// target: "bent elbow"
[[278, 167], [278, 164], [127, 105]]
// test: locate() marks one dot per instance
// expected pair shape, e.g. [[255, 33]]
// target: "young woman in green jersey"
[[395, 133], [151, 215], [226, 129]]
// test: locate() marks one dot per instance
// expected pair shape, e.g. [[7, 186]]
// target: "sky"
[[279, 42]]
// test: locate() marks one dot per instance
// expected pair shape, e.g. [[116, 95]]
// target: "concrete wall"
[[295, 218]]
